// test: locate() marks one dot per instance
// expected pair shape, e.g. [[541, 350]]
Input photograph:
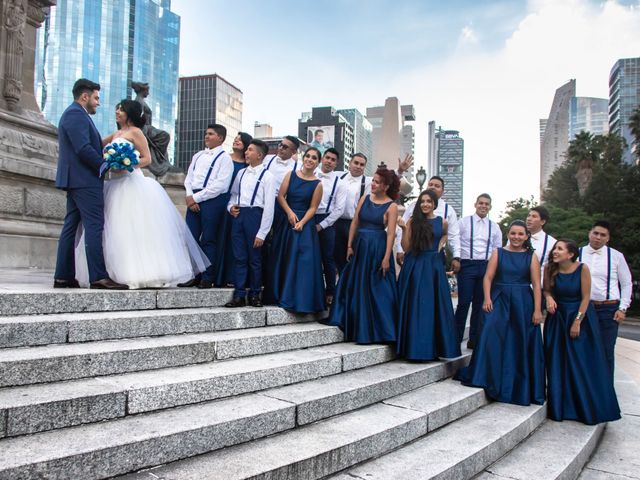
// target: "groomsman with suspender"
[[611, 285], [251, 205], [329, 211], [479, 237], [541, 241], [207, 183]]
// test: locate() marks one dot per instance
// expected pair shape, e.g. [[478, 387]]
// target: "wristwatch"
[[623, 310]]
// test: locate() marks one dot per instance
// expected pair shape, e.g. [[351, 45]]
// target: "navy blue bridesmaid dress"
[[508, 361], [297, 281], [579, 383], [426, 326], [223, 264], [365, 303]]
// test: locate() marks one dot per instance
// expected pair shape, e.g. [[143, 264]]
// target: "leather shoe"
[[57, 283], [471, 344], [108, 284], [236, 302], [255, 302], [204, 284], [194, 282]]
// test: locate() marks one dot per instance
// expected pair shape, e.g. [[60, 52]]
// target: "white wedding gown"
[[146, 241]]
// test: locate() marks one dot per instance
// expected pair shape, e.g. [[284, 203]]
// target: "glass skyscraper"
[[112, 43], [624, 98], [588, 114], [447, 148]]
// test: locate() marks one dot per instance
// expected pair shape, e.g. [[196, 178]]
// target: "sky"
[[488, 69]]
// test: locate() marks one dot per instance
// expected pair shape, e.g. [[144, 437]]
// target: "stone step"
[[29, 365], [556, 450], [32, 330], [36, 408], [322, 448]]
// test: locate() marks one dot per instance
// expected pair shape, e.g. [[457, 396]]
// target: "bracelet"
[[579, 316], [349, 246]]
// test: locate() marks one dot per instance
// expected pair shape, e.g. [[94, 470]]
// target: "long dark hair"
[[421, 228], [391, 180], [527, 243], [133, 110], [245, 138], [552, 268]]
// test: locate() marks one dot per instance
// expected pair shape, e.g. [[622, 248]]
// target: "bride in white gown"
[[146, 241]]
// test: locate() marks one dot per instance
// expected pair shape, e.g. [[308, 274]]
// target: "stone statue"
[[158, 139]]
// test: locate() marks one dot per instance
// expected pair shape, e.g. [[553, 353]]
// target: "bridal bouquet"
[[121, 156]]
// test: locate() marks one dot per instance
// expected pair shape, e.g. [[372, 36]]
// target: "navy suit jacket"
[[80, 150]]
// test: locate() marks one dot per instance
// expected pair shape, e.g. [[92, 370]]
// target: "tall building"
[[543, 126], [262, 130], [588, 114], [362, 130], [112, 43], [326, 128], [205, 99], [446, 159], [555, 141], [624, 98]]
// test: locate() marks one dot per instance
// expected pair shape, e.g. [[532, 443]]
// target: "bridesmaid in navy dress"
[[426, 328], [579, 383], [223, 265], [298, 284], [366, 299], [508, 361]]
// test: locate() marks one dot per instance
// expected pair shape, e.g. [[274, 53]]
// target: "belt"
[[605, 302]]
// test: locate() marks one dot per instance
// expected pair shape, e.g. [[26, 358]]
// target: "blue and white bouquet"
[[121, 156]]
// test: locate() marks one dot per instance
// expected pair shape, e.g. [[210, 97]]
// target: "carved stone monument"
[[31, 209]]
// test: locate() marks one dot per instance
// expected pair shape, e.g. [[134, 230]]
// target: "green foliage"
[[634, 126]]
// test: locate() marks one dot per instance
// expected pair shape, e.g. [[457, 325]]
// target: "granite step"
[[325, 447], [555, 451], [460, 450], [36, 408], [33, 330], [50, 363]]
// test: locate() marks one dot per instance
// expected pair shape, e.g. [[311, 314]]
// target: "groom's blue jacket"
[[80, 154]]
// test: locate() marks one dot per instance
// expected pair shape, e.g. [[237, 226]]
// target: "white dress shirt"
[[353, 186], [337, 196], [620, 284], [452, 225], [242, 192], [542, 243], [279, 168], [220, 177], [481, 236]]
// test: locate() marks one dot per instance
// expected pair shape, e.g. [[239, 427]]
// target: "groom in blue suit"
[[80, 171]]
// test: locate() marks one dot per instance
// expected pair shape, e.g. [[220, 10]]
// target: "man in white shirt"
[[207, 183], [479, 237], [611, 285], [541, 241], [443, 210], [251, 204], [329, 211]]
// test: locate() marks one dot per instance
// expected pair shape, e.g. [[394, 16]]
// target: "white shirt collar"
[[593, 251]]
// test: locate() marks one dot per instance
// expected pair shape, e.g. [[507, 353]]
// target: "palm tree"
[[582, 154], [634, 126]]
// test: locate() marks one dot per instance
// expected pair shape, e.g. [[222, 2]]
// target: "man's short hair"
[[440, 179], [484, 195], [361, 155], [293, 140], [319, 131], [334, 151], [263, 147], [543, 212], [83, 85], [219, 129], [603, 224]]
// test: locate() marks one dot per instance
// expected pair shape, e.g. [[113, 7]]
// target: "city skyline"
[[489, 68]]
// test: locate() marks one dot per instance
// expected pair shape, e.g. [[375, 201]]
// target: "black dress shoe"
[[108, 284], [57, 283], [255, 302], [204, 284], [236, 303], [191, 283]]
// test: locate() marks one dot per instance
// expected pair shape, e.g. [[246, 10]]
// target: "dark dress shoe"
[[204, 284], [194, 282], [255, 302], [471, 344], [108, 284], [236, 303], [65, 283]]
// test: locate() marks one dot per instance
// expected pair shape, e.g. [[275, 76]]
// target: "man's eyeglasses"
[[284, 146]]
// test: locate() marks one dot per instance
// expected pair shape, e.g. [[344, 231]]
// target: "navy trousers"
[[248, 260], [608, 332], [327, 238], [86, 206], [470, 295], [204, 228], [341, 227]]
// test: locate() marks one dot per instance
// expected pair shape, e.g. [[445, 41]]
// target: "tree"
[[634, 125], [581, 152], [516, 210]]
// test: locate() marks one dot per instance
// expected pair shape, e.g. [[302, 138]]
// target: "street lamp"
[[421, 177], [382, 165]]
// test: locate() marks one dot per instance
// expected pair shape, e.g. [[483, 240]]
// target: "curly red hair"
[[390, 179]]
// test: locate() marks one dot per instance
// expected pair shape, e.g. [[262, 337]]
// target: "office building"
[[205, 99], [624, 99], [588, 114], [362, 130], [112, 43], [446, 159], [326, 128], [262, 130]]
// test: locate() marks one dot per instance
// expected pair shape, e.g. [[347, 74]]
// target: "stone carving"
[[15, 19], [158, 139]]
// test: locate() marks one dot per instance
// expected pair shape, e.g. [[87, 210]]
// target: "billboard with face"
[[322, 137]]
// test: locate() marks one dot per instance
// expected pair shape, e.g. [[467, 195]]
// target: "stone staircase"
[[166, 384]]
